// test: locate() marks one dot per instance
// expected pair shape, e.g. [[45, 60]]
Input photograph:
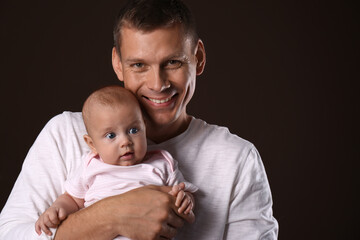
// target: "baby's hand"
[[184, 200], [51, 218]]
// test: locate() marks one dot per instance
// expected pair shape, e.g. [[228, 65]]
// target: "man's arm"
[[38, 185], [250, 215], [143, 213]]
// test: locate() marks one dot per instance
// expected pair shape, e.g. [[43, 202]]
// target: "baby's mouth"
[[128, 155]]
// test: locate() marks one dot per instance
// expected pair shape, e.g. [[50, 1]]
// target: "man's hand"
[[144, 213]]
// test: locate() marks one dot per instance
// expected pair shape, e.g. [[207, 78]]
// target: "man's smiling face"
[[160, 68]]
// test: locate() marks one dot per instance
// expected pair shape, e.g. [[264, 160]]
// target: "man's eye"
[[138, 65], [133, 130], [173, 64], [110, 135]]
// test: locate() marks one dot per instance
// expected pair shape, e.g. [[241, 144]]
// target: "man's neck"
[[162, 133]]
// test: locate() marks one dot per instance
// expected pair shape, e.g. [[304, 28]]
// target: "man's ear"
[[201, 57], [90, 143], [116, 63]]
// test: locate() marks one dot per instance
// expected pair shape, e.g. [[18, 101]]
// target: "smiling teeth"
[[160, 101]]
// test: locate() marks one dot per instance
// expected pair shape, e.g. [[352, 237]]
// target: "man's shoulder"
[[66, 123], [210, 141], [65, 118], [217, 134]]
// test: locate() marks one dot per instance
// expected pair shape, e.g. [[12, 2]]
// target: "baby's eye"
[[110, 135], [133, 130]]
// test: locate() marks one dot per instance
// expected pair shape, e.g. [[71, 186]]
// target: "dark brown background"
[[281, 75]]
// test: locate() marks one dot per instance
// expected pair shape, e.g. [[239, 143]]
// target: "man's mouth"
[[160, 100]]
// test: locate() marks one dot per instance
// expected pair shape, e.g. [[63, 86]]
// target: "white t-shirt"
[[233, 202]]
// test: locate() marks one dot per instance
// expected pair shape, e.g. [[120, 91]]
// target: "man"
[[157, 55]]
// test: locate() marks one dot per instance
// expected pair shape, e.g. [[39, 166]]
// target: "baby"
[[118, 161]]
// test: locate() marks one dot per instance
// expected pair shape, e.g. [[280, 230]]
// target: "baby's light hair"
[[109, 96]]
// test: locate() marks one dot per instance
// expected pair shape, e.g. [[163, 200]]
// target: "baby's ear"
[[90, 143]]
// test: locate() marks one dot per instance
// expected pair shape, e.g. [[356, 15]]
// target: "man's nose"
[[157, 80]]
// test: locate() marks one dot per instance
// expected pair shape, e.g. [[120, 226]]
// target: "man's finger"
[[174, 220], [168, 232], [164, 189]]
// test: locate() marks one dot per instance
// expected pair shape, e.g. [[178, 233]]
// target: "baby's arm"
[[184, 200], [58, 211]]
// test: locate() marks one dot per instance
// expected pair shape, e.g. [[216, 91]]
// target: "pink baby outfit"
[[99, 180]]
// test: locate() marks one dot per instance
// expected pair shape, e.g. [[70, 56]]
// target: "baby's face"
[[119, 134]]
